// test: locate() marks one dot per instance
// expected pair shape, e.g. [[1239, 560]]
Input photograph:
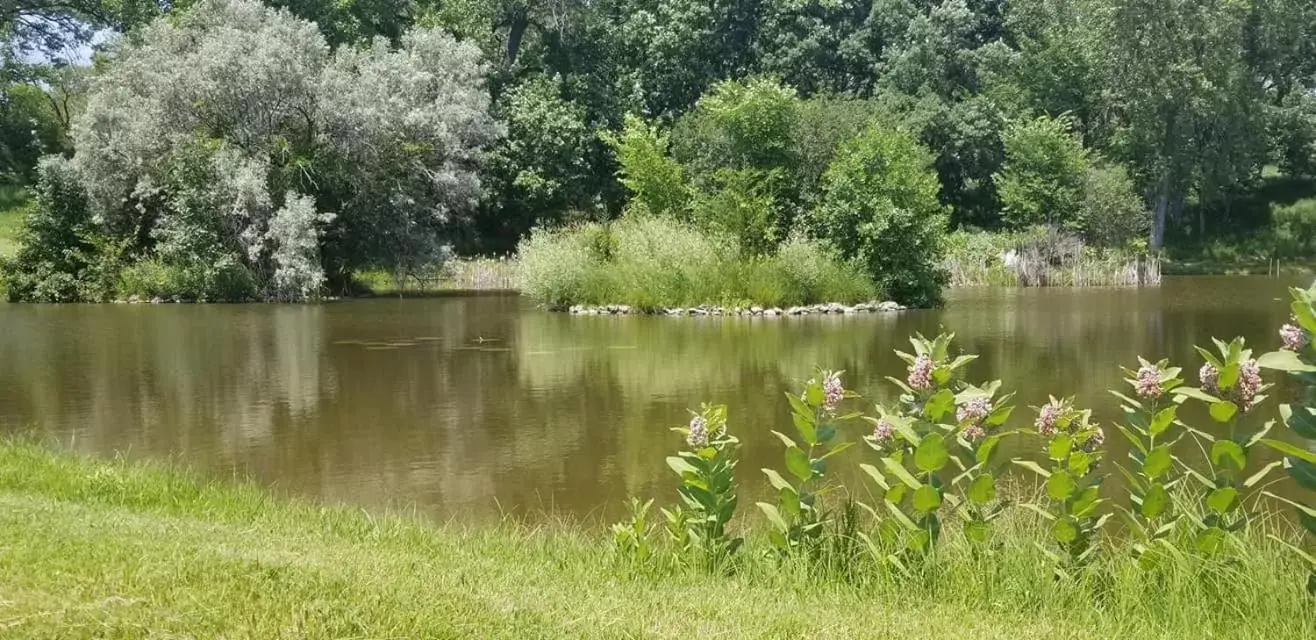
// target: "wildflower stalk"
[[707, 491]]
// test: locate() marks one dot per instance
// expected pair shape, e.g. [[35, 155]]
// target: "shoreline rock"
[[832, 308]]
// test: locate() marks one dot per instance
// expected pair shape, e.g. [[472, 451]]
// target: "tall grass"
[[15, 203], [653, 263], [1038, 259]]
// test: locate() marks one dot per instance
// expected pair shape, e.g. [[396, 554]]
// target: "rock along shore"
[[710, 310]]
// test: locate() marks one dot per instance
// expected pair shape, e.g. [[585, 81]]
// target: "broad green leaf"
[[1085, 501], [1210, 540], [942, 374], [999, 415], [927, 499], [897, 493], [931, 455], [1080, 462], [1228, 454], [813, 394], [1060, 447], [1303, 472], [1195, 393], [976, 531], [1158, 461], [1288, 449], [1211, 357], [680, 465], [1164, 418], [1065, 530], [797, 462], [1228, 376], [798, 407], [776, 480], [1223, 411], [1222, 500], [1155, 502], [1303, 312], [1034, 467], [790, 502], [876, 476], [987, 448], [901, 517], [774, 516], [1284, 360], [804, 426], [785, 439], [836, 449], [902, 474], [941, 403], [982, 490], [1060, 486], [960, 361], [1302, 420]]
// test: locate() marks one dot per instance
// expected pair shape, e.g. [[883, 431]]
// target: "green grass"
[[654, 263], [108, 549], [14, 202], [461, 274]]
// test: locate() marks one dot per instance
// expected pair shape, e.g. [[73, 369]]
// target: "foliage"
[[1297, 358], [1042, 181], [631, 537], [939, 420], [1073, 484], [655, 263], [198, 121], [879, 206], [797, 520], [1111, 213], [656, 182], [1293, 230], [708, 491], [1149, 415], [56, 244]]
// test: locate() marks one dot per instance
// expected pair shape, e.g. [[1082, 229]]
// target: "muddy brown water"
[[469, 407]]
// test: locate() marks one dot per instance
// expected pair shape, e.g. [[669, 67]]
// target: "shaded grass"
[[14, 206], [460, 274], [92, 548]]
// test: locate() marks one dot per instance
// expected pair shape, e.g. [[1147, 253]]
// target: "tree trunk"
[[1158, 219], [515, 32]]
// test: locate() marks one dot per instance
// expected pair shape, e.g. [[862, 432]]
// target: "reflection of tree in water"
[[465, 406]]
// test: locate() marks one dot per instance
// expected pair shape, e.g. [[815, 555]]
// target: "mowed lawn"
[[108, 549]]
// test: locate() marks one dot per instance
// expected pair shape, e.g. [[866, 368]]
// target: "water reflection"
[[468, 406]]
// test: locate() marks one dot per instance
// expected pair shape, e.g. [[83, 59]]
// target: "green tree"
[[656, 182], [879, 205], [1042, 180]]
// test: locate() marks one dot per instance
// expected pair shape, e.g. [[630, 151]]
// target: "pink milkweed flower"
[[883, 432], [1249, 382], [974, 432], [1293, 337], [1047, 417], [833, 392], [1148, 383], [974, 410], [698, 436], [1095, 441], [1209, 376], [920, 373]]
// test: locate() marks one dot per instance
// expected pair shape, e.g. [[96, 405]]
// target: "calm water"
[[467, 406]]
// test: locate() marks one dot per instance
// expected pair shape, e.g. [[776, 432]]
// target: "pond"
[[475, 406]]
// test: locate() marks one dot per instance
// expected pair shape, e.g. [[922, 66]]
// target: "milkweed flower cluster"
[[833, 391], [1209, 376], [1048, 415], [1293, 337], [883, 432], [974, 410], [698, 436], [1094, 441], [1148, 383], [1244, 391], [920, 373]]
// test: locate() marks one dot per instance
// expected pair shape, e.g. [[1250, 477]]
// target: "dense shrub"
[[1112, 214], [1293, 230], [653, 263], [657, 183], [1042, 181], [879, 206], [56, 248]]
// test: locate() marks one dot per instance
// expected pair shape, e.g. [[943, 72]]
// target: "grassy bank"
[[109, 549], [459, 274]]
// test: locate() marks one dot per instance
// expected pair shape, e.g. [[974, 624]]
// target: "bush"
[[1293, 230], [1043, 179], [656, 182], [1112, 213], [56, 247], [880, 207], [654, 263], [743, 207], [222, 281]]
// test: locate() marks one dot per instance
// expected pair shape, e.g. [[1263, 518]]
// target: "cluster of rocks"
[[136, 299], [708, 310]]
